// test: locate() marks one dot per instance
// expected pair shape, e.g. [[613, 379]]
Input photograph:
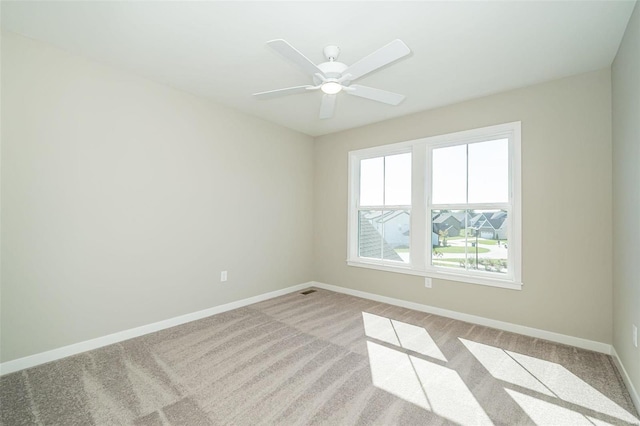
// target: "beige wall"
[[566, 204], [124, 199], [626, 197]]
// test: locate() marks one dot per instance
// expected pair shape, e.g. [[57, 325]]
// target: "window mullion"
[[466, 190], [384, 203], [418, 224]]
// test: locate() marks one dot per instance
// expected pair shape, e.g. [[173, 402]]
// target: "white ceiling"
[[460, 50]]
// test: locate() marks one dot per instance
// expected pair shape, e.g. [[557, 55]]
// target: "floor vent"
[[308, 292]]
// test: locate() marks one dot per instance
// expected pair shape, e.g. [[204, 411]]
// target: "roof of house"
[[461, 216], [370, 240], [444, 217], [488, 220], [385, 216]]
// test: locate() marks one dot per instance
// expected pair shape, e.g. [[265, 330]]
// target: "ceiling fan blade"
[[381, 57], [327, 106], [292, 54], [284, 92], [375, 94]]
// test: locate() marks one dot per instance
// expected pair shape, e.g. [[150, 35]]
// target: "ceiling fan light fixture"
[[331, 87]]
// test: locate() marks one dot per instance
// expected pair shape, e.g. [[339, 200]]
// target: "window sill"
[[386, 267], [472, 279], [469, 279]]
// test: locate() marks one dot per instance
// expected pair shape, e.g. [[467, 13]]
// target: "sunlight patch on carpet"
[[402, 334], [549, 379]]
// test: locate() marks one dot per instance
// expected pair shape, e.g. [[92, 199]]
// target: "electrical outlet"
[[223, 276], [635, 335], [428, 282]]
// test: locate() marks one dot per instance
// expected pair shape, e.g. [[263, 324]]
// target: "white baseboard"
[[627, 380], [500, 325], [63, 352], [76, 348]]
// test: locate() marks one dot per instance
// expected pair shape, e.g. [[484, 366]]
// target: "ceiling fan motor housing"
[[331, 53], [331, 70]]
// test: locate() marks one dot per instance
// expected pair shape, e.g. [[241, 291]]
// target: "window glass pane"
[[384, 234], [370, 234], [449, 170], [397, 180], [449, 245], [488, 242], [470, 240], [396, 235], [489, 172], [371, 181]]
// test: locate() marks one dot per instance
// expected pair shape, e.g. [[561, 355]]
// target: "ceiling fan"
[[333, 77]]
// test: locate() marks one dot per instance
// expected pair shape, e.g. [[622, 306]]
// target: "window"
[[445, 207], [384, 208]]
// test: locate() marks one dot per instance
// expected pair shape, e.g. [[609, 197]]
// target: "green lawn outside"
[[480, 241], [456, 259], [457, 249], [486, 242]]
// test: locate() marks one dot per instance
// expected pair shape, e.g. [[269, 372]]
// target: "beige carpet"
[[322, 358]]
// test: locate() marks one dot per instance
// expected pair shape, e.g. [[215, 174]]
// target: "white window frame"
[[420, 222], [354, 207]]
